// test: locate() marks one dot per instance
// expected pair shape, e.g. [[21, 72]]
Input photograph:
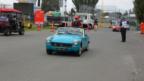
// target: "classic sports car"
[[68, 39]]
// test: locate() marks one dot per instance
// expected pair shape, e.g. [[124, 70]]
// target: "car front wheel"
[[48, 52], [21, 32], [87, 48], [7, 32], [79, 52]]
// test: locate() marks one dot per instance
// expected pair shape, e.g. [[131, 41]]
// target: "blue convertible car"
[[68, 39]]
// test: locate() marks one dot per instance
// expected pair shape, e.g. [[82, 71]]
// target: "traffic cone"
[[39, 28], [52, 27]]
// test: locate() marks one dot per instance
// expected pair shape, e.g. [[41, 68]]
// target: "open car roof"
[[9, 10]]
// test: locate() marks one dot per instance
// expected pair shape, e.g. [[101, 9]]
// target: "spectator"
[[77, 22], [142, 27], [95, 24], [124, 27]]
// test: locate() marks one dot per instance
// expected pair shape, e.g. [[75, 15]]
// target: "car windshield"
[[72, 31]]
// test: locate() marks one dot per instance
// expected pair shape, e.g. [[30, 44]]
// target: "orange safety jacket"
[[142, 27]]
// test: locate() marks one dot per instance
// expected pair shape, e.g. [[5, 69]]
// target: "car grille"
[[61, 44]]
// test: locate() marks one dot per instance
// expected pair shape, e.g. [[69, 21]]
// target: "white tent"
[[7, 3]]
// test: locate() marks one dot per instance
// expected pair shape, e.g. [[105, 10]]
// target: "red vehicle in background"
[[11, 21], [115, 26]]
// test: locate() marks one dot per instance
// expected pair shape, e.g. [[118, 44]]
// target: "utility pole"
[[65, 7], [39, 3], [101, 15]]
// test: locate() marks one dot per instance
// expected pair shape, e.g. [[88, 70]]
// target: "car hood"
[[65, 38]]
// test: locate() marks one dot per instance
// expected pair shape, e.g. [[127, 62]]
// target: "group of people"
[[78, 22]]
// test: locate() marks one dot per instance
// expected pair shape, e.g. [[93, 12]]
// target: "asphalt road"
[[23, 58]]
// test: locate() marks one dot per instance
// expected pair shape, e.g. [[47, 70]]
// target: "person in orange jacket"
[[142, 27]]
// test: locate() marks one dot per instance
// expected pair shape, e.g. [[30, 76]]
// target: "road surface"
[[23, 58]]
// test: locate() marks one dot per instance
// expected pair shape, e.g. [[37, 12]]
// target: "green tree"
[[139, 10], [72, 12], [78, 3], [50, 5]]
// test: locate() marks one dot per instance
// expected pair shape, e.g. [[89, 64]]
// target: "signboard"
[[39, 17], [56, 14], [26, 8]]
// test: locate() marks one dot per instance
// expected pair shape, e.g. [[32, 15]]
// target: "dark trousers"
[[123, 34]]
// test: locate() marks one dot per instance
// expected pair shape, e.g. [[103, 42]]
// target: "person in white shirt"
[[124, 26]]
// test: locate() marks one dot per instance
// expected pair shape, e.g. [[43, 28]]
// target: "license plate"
[[60, 48]]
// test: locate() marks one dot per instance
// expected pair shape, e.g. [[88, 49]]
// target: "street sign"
[[56, 14]]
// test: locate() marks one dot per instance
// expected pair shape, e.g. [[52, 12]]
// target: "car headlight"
[[76, 42], [113, 27], [48, 40]]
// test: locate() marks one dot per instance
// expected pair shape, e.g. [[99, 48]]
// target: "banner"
[[39, 17]]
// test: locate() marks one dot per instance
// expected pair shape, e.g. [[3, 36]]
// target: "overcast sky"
[[119, 4]]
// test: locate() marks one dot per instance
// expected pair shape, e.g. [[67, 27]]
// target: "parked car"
[[68, 39], [11, 21]]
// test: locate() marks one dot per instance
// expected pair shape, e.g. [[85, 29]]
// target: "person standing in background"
[[95, 24], [77, 23], [124, 26], [142, 28]]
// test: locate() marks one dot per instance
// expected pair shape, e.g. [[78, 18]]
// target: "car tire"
[[7, 32], [21, 32], [87, 48], [79, 52], [49, 52]]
